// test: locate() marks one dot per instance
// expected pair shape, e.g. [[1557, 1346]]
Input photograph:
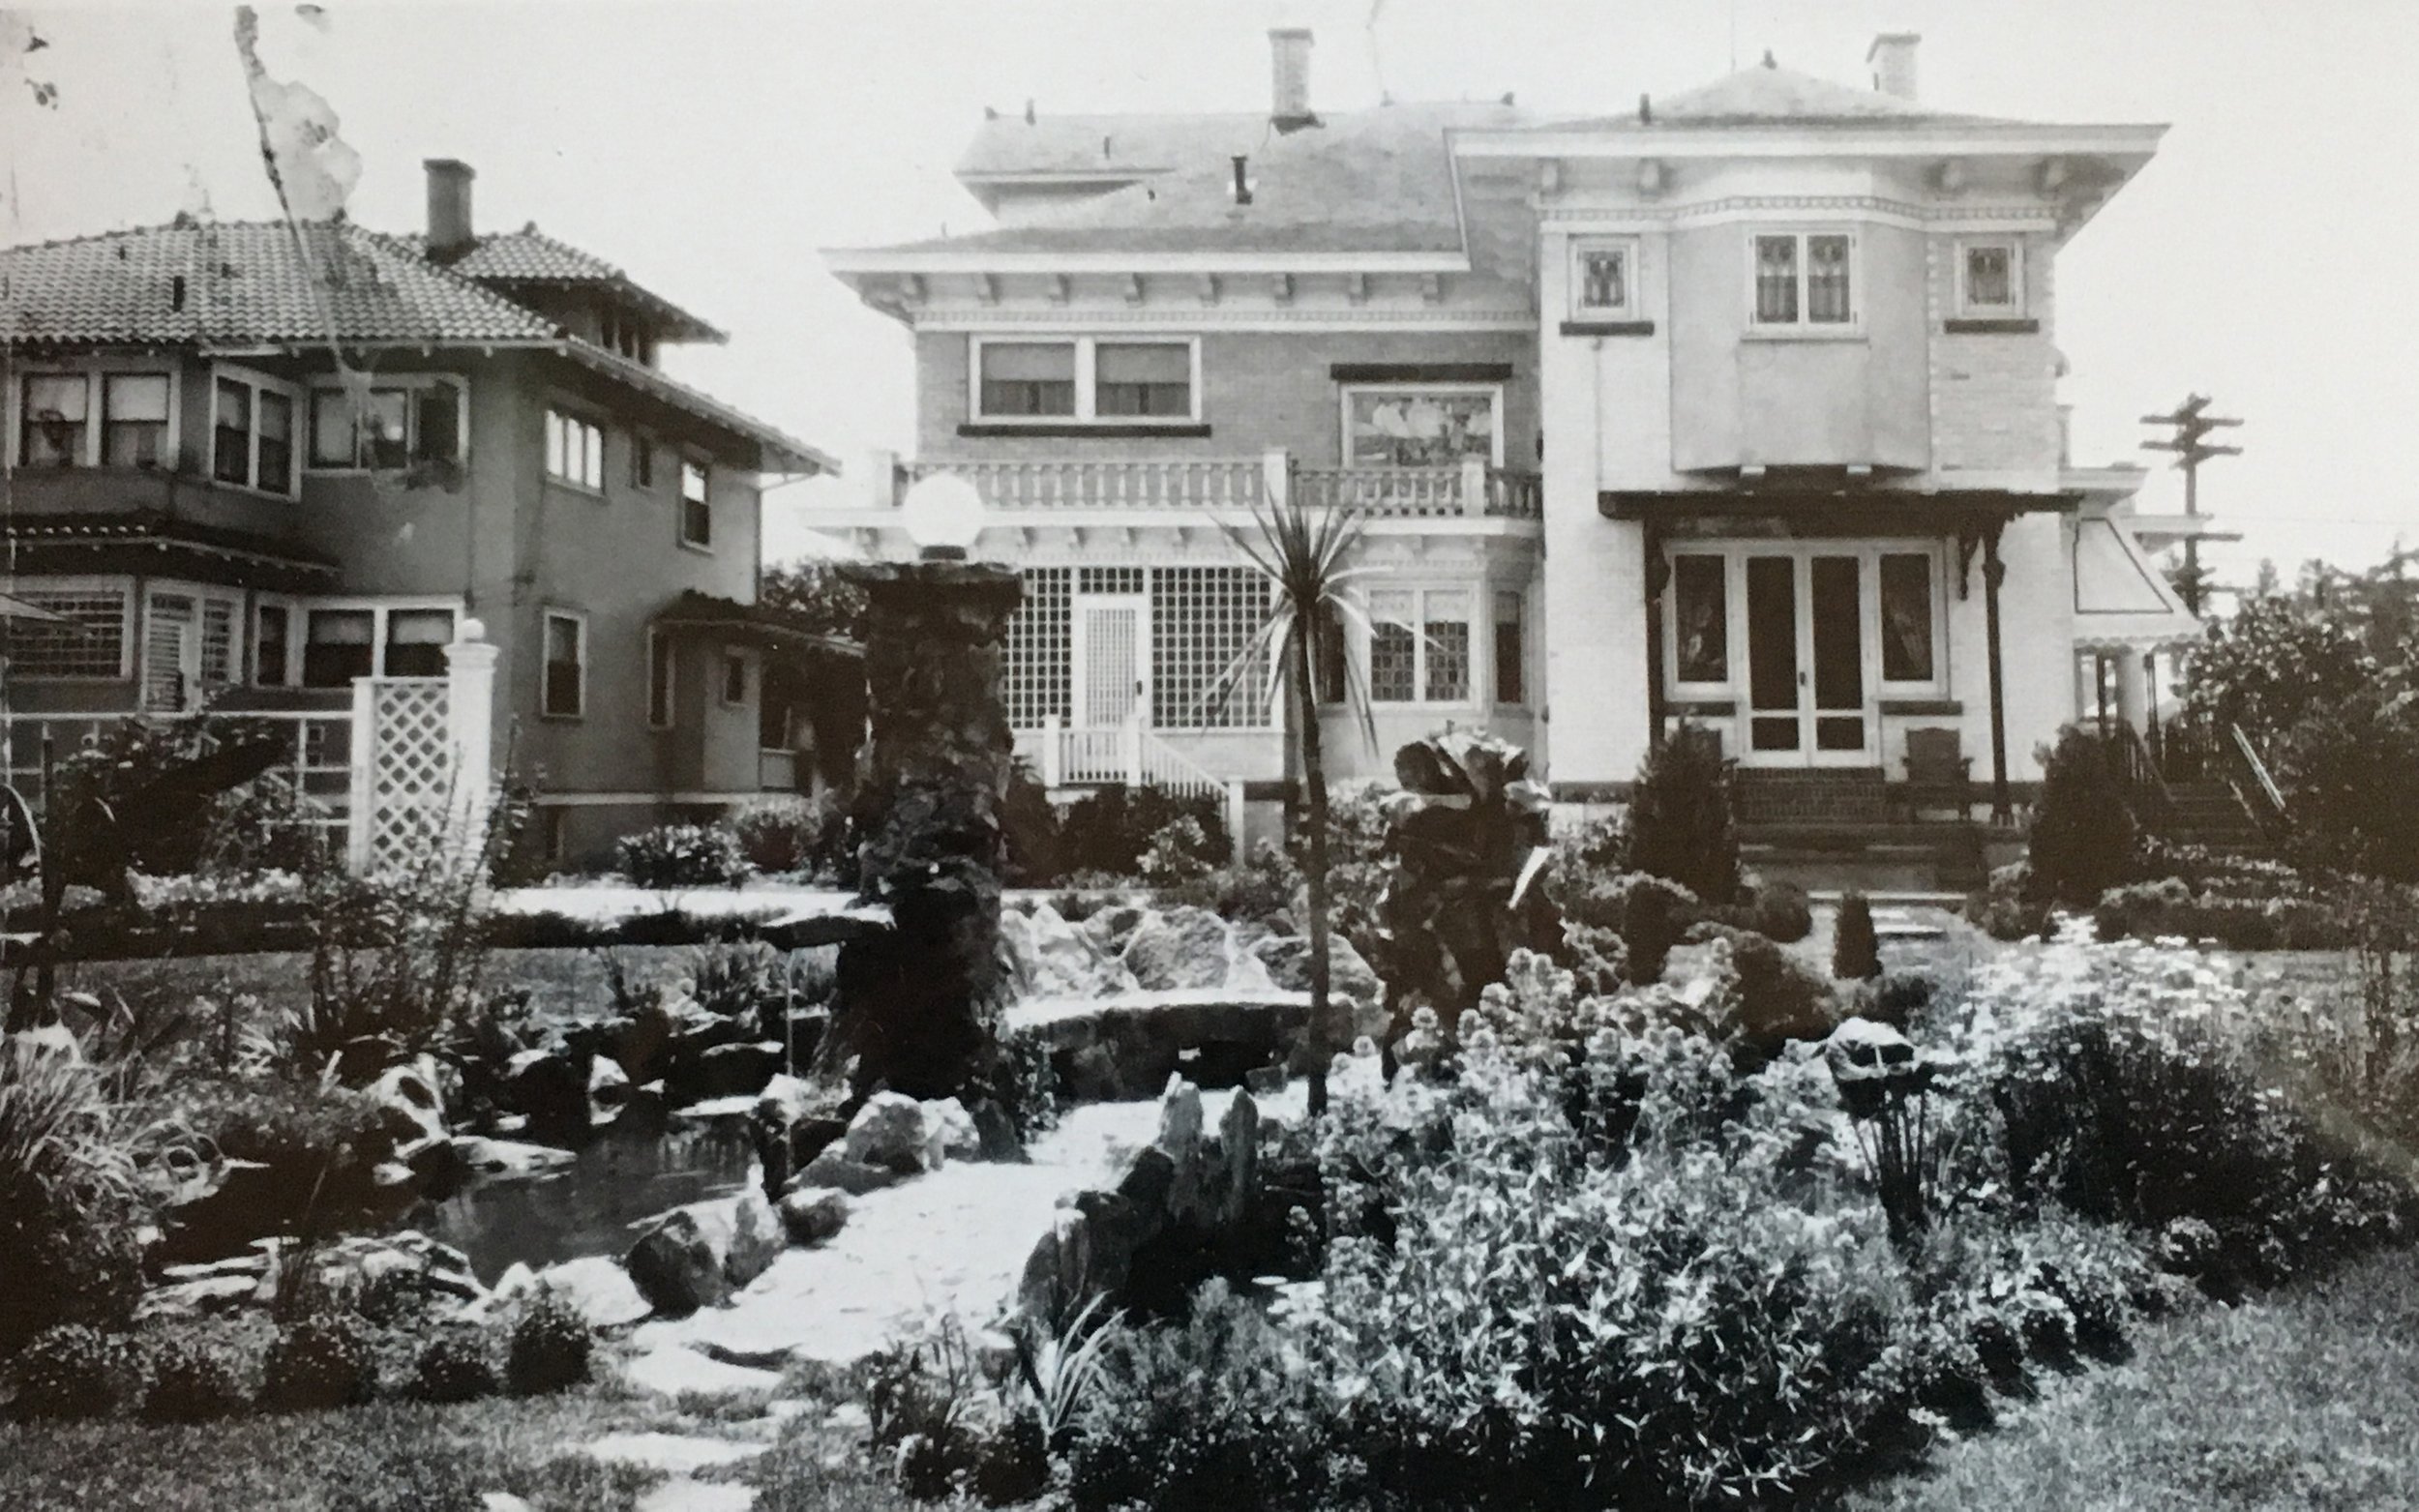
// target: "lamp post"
[[917, 1001]]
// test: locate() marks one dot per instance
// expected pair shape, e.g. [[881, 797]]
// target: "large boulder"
[[739, 1069], [1238, 1143], [754, 1235], [894, 1132], [550, 1088], [412, 1110], [947, 1120], [1286, 958], [833, 1171], [1049, 958], [1109, 929], [1126, 1051], [1190, 948], [674, 1266], [811, 1215]]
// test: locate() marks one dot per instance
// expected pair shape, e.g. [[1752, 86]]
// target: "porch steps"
[[1842, 795], [2209, 813], [1881, 859]]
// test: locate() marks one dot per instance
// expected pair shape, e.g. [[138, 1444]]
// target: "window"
[[272, 639], [1035, 378], [1512, 666], [218, 641], [1419, 645], [92, 643], [1329, 669], [575, 451], [133, 419], [416, 640], [697, 513], [252, 435], [1206, 673], [1422, 426], [1602, 278], [1907, 617], [660, 662], [565, 694], [1805, 279], [385, 423], [1041, 648], [1990, 280], [343, 646], [734, 677], [1700, 615], [56, 408], [1155, 379], [1086, 380], [641, 461]]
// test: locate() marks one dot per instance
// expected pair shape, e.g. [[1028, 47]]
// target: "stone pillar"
[[918, 1002]]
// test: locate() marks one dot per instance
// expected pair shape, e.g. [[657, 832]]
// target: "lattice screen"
[[218, 641], [1041, 649], [410, 769], [1201, 621], [94, 647], [1109, 579]]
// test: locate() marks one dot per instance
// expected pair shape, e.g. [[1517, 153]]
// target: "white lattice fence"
[[404, 776]]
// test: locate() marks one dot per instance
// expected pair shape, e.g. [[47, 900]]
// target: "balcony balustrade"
[[1471, 491]]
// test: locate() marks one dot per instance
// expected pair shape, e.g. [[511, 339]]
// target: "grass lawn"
[[2308, 1398]]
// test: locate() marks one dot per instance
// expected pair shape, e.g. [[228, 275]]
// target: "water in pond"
[[642, 1164]]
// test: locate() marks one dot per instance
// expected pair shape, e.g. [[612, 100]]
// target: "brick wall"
[[1993, 395]]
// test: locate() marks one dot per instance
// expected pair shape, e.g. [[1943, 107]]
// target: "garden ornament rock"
[[813, 1215], [675, 1268]]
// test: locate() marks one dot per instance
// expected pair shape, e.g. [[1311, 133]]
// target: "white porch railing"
[[317, 764], [1069, 754], [1470, 490]]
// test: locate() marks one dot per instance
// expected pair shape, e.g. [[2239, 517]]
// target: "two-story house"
[[247, 463], [1737, 406]]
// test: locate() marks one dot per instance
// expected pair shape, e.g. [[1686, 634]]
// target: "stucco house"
[[1736, 406], [251, 462]]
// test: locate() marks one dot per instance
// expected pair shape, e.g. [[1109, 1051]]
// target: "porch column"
[[2132, 690], [1658, 576], [1995, 572], [470, 709]]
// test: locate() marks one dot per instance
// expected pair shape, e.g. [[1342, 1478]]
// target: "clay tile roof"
[[530, 257], [234, 281]]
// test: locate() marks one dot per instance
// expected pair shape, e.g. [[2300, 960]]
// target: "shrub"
[[788, 836], [2004, 906], [73, 1370], [194, 1380], [1259, 889], [1030, 827], [1108, 831], [1178, 851], [2169, 908], [1779, 912], [1895, 997], [1680, 823], [921, 1399], [1775, 997], [550, 1346], [318, 1362], [1855, 948], [742, 980], [681, 855], [2083, 836], [71, 1198], [455, 1365], [1652, 915]]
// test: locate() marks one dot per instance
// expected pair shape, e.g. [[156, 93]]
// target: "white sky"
[[711, 148]]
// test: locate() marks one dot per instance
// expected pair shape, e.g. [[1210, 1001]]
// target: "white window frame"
[[1477, 596], [1495, 594], [298, 440], [1344, 414], [92, 583], [309, 440], [1804, 328], [94, 373], [1868, 552], [2014, 309], [1086, 397], [298, 642], [291, 674], [1937, 576], [571, 415], [680, 511], [545, 624], [733, 658], [1584, 246], [189, 669], [659, 643]]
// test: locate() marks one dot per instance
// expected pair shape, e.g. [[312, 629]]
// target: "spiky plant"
[[1303, 555]]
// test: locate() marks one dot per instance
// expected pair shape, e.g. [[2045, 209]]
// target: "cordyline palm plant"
[[1303, 555]]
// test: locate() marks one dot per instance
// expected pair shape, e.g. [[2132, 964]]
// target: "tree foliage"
[[1680, 825]]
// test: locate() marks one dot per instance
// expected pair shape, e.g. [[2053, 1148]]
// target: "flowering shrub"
[[73, 1370], [202, 888], [792, 835], [681, 855], [1180, 851]]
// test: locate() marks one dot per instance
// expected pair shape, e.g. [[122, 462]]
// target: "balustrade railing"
[[1472, 489], [316, 765]]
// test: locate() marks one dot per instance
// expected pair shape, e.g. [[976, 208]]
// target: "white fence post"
[[360, 810], [471, 711], [882, 475], [1234, 815], [1133, 751], [1277, 476], [1053, 751], [1472, 486]]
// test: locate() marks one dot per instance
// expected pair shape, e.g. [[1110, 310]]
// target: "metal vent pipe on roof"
[[1242, 183], [1893, 57]]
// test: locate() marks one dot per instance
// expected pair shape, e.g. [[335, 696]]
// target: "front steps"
[[1841, 827], [2209, 814]]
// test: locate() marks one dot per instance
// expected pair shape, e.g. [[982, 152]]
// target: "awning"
[[760, 625], [154, 543], [2122, 601]]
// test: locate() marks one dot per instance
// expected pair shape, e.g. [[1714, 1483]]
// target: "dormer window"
[[1805, 279], [1604, 280]]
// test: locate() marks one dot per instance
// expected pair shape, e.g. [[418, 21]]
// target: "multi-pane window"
[[575, 449], [1989, 285], [344, 642], [1393, 646], [1204, 671], [1601, 275], [1444, 647], [91, 642], [1041, 648], [565, 694], [660, 663], [341, 645], [218, 642], [133, 419], [1907, 617], [252, 435], [1028, 378], [1511, 650], [416, 642], [696, 514], [385, 424], [1143, 378], [56, 408], [1700, 613], [1805, 279], [272, 637]]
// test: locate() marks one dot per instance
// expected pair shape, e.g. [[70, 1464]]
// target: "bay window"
[[252, 434], [1804, 279], [385, 423], [1419, 645]]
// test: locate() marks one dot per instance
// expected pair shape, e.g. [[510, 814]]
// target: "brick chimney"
[[449, 207], [1893, 59], [1288, 95]]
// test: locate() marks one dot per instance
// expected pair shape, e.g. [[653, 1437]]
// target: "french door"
[[172, 652], [1112, 659], [1808, 702]]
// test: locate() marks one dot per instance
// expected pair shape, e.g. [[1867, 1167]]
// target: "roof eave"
[[874, 261], [776, 452], [1915, 140]]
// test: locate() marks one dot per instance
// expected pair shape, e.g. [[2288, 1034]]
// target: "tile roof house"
[[252, 461], [1735, 410]]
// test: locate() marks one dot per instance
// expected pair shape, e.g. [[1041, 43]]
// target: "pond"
[[643, 1163]]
